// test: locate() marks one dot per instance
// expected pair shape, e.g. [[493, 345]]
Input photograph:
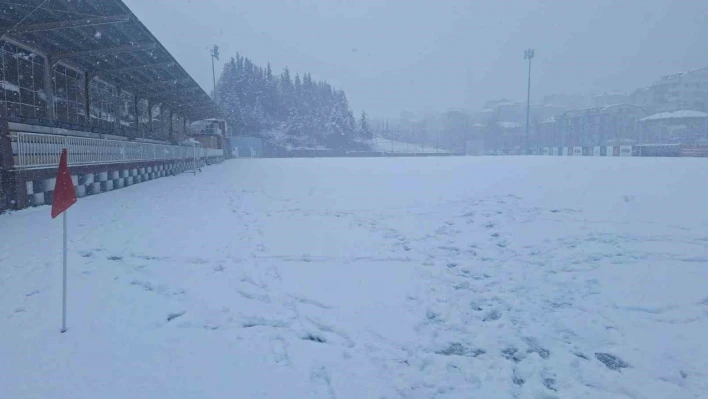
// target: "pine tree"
[[364, 128]]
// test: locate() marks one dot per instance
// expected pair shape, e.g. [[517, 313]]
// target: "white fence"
[[36, 151]]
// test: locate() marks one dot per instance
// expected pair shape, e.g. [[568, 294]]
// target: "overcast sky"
[[399, 55]]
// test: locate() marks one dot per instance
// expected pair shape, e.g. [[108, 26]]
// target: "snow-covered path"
[[368, 278]]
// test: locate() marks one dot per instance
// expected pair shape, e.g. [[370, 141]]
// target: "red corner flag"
[[64, 194]]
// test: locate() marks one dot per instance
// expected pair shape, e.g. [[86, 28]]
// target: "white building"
[[678, 91]]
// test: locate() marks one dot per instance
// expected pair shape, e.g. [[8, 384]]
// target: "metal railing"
[[37, 151]]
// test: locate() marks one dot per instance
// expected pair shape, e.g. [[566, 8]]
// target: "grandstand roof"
[[104, 38]]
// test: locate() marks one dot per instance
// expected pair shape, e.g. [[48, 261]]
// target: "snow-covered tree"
[[365, 131], [305, 111]]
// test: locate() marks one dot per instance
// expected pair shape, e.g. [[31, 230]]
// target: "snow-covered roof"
[[610, 93], [190, 141], [675, 115], [682, 74], [607, 108], [509, 125]]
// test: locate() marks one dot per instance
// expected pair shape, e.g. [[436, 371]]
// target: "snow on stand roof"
[[675, 115]]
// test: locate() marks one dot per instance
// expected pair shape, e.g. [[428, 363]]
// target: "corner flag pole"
[[63, 198], [63, 294]]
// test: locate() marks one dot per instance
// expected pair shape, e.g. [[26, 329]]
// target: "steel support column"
[[49, 86], [171, 132], [87, 97]]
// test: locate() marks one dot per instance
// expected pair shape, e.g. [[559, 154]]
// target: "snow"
[[675, 115], [451, 277], [510, 125], [9, 86], [386, 145]]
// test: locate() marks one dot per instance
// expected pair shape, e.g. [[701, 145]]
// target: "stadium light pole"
[[214, 54], [528, 55]]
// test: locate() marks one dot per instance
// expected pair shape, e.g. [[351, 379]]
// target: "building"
[[597, 125], [678, 91], [501, 137], [548, 132], [89, 76], [455, 133], [610, 98], [675, 127], [568, 101], [507, 111]]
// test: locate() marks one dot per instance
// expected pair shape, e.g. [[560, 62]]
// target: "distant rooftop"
[[675, 115], [681, 74], [610, 93], [509, 125]]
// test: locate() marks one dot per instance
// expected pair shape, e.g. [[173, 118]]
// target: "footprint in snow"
[[175, 315], [534, 346], [315, 338], [549, 379], [253, 296], [308, 301], [434, 317], [492, 316], [550, 383], [458, 349], [512, 354], [612, 362], [279, 351]]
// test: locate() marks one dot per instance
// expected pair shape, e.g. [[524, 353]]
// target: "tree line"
[[298, 112]]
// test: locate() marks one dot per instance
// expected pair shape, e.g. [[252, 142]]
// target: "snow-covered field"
[[386, 145], [499, 277]]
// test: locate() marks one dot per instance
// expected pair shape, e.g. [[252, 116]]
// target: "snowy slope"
[[368, 278]]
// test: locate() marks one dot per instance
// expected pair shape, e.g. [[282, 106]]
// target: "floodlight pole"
[[214, 54], [528, 55]]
